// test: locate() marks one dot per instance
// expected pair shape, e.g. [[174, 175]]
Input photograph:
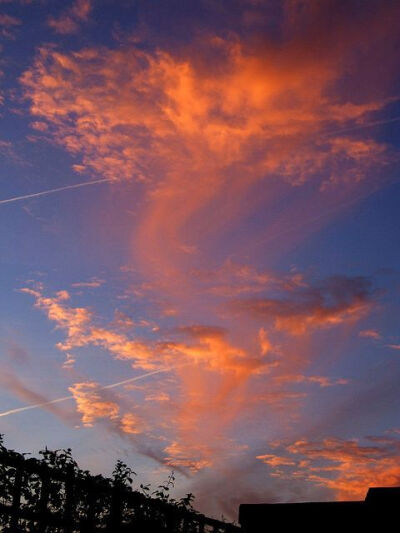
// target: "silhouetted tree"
[[52, 494]]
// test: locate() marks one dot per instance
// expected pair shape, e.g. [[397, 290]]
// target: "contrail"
[[52, 191], [360, 126], [321, 216], [105, 180], [65, 398]]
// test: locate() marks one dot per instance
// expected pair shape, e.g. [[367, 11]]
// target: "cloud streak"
[[68, 22], [333, 301], [348, 467]]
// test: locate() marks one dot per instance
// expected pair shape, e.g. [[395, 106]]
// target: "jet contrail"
[[52, 191], [65, 398], [104, 180], [360, 126]]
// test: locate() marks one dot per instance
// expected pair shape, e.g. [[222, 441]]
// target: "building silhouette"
[[378, 512]]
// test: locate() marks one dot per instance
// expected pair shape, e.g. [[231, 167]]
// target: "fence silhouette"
[[36, 497]]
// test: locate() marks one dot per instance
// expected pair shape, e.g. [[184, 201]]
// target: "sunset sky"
[[220, 233]]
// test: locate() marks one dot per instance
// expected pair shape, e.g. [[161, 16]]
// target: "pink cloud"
[[90, 403], [111, 108], [394, 346], [8, 21], [334, 301], [348, 467], [370, 334], [68, 22], [215, 381]]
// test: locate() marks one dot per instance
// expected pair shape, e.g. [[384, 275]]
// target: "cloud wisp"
[[333, 301], [348, 467], [68, 22]]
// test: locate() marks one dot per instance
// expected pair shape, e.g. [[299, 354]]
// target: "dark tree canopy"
[[52, 494]]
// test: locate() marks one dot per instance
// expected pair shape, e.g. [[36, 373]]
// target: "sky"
[[199, 242]]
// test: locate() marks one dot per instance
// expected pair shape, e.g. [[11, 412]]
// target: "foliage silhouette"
[[52, 494]]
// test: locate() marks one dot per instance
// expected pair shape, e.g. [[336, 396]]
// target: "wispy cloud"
[[370, 334], [333, 301], [348, 467], [93, 283], [8, 24], [8, 20], [214, 379], [394, 346], [68, 22]]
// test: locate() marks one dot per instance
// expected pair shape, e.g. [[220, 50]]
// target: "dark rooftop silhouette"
[[378, 512]]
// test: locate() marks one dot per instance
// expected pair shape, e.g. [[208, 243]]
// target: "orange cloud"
[[234, 279], [208, 346], [8, 25], [39, 126], [94, 404], [158, 397], [81, 9], [216, 380], [90, 404], [74, 320], [334, 301], [8, 21], [348, 467], [394, 346], [200, 128], [206, 134], [193, 458], [78, 322], [131, 424], [210, 132], [265, 344], [69, 21], [211, 371], [322, 381], [370, 334], [275, 460]]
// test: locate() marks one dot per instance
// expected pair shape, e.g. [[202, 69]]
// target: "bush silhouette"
[[52, 494]]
